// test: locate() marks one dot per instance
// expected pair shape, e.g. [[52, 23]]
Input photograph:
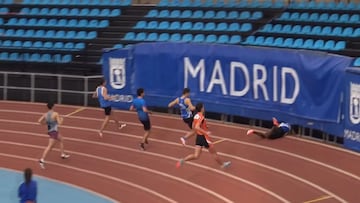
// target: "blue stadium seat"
[[288, 42], [334, 17], [306, 29], [219, 3], [140, 36], [44, 11], [319, 44], [221, 27], [250, 40], [344, 18], [115, 12], [74, 12], [196, 3], [286, 28], [175, 25], [91, 35], [69, 45], [62, 23], [209, 14], [211, 38], [12, 21], [329, 45], [267, 28], [259, 40], [39, 33], [152, 37], [42, 22], [10, 32], [232, 15], [57, 58], [284, 16], [164, 25], [17, 44], [175, 14], [277, 28], [94, 2], [256, 15], [279, 4], [84, 12], [235, 39], [64, 11], [83, 23], [45, 58], [152, 13], [296, 29], [175, 37], [174, 3], [164, 37], [164, 14], [29, 33], [340, 45], [37, 44], [152, 25], [210, 26], [60, 34], [163, 3], [223, 39], [269, 41], [357, 61], [304, 17], [186, 26], [199, 38], [294, 16], [14, 56], [356, 32], [25, 11], [4, 56], [316, 30], [79, 46], [354, 18], [220, 15], [198, 26], [48, 45], [19, 33], [1, 21], [234, 27], [348, 32], [330, 5], [22, 21], [186, 14], [34, 11], [308, 44], [246, 27], [92, 24], [314, 17], [278, 42], [80, 35], [187, 38], [352, 6], [70, 35], [327, 30], [103, 23], [337, 31], [59, 45], [140, 24], [198, 14], [208, 3], [129, 36], [324, 17], [126, 3], [185, 3], [118, 46], [66, 59], [244, 15], [27, 44]]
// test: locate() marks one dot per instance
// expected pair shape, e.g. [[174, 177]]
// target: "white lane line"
[[161, 156], [217, 195], [96, 174], [65, 183]]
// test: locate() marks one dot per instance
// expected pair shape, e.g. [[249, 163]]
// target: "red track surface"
[[284, 170]]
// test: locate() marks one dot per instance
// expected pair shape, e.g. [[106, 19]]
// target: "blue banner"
[[118, 71], [352, 110]]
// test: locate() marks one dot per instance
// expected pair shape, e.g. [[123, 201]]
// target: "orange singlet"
[[199, 119]]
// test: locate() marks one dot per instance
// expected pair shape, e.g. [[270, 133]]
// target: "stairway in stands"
[[112, 35]]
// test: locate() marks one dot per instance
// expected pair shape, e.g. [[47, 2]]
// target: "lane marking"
[[75, 112], [219, 141], [319, 199], [65, 183], [217, 195], [269, 192], [96, 174]]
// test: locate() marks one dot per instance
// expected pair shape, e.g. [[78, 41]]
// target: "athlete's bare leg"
[[103, 125], [213, 152], [145, 139]]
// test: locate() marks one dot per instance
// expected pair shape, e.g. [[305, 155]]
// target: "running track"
[[285, 170]]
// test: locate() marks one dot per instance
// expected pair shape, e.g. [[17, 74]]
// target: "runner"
[[139, 105], [186, 108], [27, 191], [277, 131], [103, 97], [202, 139], [52, 119]]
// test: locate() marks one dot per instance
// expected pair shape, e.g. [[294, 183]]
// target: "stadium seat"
[[175, 25], [210, 26], [306, 29], [92, 24], [319, 44], [140, 24], [29, 33], [304, 17], [152, 13], [84, 12], [221, 27], [232, 15], [199, 38], [314, 17], [209, 14], [164, 14], [354, 18], [256, 15], [140, 36], [19, 33], [185, 3], [45, 58], [250, 40], [164, 25], [62, 23], [286, 28], [357, 61], [66, 59], [234, 27], [103, 23], [79, 46], [356, 32], [223, 39], [347, 32], [52, 22], [12, 21], [48, 45], [17, 44], [34, 11], [164, 37], [235, 39], [246, 27], [187, 38], [337, 31], [80, 35], [186, 14], [339, 45], [152, 25], [91, 35], [37, 44], [277, 28], [175, 37], [14, 57], [27, 44], [268, 41], [175, 14], [211, 38], [198, 14], [296, 29], [294, 16], [324, 17], [259, 40], [83, 23], [152, 37], [326, 30], [186, 26], [267, 28], [69, 45], [115, 12], [25, 11], [344, 18], [198, 26], [316, 30], [10, 32], [329, 45], [118, 46], [284, 16], [244, 15], [220, 15], [334, 17], [288, 42], [60, 34], [4, 56], [278, 42], [58, 45], [308, 44]]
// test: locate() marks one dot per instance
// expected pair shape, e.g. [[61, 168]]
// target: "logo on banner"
[[354, 110], [117, 72]]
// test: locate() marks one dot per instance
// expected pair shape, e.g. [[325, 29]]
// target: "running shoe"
[[179, 163], [121, 126], [226, 164], [183, 140], [65, 156], [146, 141], [42, 164], [249, 132], [100, 134], [142, 146]]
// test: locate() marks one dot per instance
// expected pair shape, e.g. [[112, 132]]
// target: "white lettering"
[[243, 68], [352, 135], [275, 83], [260, 82], [291, 72], [200, 67], [217, 78]]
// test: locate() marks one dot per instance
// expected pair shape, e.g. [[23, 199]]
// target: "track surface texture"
[[263, 171]]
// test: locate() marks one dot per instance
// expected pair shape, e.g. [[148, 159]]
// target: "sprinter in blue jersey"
[[104, 101], [186, 108], [277, 131], [139, 105]]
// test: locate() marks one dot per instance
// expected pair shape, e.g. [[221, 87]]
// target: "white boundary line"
[[161, 156], [64, 183], [217, 195], [96, 174], [212, 122], [228, 139]]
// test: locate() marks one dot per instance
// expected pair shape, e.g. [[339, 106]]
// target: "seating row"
[[6, 2], [320, 17], [83, 23], [312, 30], [222, 3], [165, 25], [71, 12], [53, 34], [80, 2], [234, 39], [295, 43], [4, 10], [42, 45], [321, 5], [35, 57], [205, 14]]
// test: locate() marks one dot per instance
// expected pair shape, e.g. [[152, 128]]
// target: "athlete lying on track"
[[277, 131]]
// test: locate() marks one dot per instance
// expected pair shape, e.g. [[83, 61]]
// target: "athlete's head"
[[140, 92], [27, 175], [50, 105], [103, 82], [200, 107], [186, 92]]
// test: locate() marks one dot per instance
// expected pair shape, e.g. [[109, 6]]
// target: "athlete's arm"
[[173, 103], [132, 108], [104, 94], [58, 118], [196, 126], [188, 102], [145, 109], [42, 120], [95, 95]]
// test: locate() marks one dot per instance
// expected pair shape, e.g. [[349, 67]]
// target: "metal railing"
[[34, 83]]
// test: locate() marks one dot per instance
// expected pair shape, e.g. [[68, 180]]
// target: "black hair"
[[27, 175], [50, 105], [186, 90], [199, 106], [102, 81], [139, 91]]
